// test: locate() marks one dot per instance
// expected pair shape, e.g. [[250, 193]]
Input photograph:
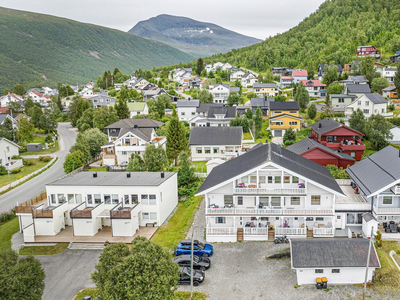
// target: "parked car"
[[199, 263], [198, 276], [124, 163], [199, 249]]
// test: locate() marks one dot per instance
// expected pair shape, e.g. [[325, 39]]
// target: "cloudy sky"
[[257, 18]]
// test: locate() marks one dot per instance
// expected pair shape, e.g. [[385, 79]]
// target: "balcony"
[[221, 231], [84, 213], [255, 231], [43, 212], [270, 211], [291, 231], [27, 206], [387, 211], [123, 212], [354, 147], [323, 232], [262, 191]]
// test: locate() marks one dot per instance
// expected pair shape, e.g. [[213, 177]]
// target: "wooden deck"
[[66, 236]]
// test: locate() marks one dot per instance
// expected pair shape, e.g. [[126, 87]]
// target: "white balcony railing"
[[323, 232], [396, 190], [270, 211], [385, 211], [261, 191], [255, 231], [220, 230], [290, 231]]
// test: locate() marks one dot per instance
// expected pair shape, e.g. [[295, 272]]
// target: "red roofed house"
[[299, 75], [338, 137], [314, 88], [368, 51]]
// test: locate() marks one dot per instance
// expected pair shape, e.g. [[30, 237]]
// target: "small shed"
[[34, 147], [211, 164], [369, 222], [341, 261]]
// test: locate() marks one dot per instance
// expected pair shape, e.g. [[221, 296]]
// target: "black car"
[[199, 263], [198, 276]]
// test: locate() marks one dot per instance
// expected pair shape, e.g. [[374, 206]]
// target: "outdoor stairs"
[[310, 233], [239, 235], [271, 235], [85, 246]]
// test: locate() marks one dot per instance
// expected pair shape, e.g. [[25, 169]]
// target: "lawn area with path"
[[7, 229], [25, 170]]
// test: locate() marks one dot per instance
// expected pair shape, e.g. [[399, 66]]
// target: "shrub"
[[48, 139], [45, 158], [3, 170], [16, 171], [5, 216], [27, 162]]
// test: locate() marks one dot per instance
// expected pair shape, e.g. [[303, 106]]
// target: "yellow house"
[[265, 89], [283, 115]]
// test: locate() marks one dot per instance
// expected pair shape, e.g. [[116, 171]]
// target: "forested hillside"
[[330, 35], [42, 49]]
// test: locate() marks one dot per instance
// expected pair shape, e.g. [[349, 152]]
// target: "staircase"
[[271, 235], [85, 246], [239, 235], [310, 233]]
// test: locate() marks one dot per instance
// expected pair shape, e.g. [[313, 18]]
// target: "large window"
[[78, 198], [295, 179], [263, 201], [145, 199], [295, 200], [277, 179], [97, 198], [276, 201], [199, 150], [134, 199], [114, 198], [126, 199], [153, 216], [286, 179], [89, 199], [220, 220], [261, 179], [152, 200], [387, 200], [207, 150], [53, 199], [354, 218], [70, 198], [240, 200], [107, 199], [253, 179], [270, 179], [315, 200], [228, 199], [145, 216], [216, 150]]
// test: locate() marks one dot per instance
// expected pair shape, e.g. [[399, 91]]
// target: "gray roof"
[[216, 135], [7, 140], [368, 217], [287, 105], [188, 103], [228, 111], [114, 179], [130, 123], [322, 67], [264, 85], [261, 154], [342, 96], [332, 253], [284, 115], [377, 171], [204, 107], [358, 89], [389, 88], [234, 89], [376, 98], [307, 144], [261, 102], [326, 125], [358, 78], [104, 97]]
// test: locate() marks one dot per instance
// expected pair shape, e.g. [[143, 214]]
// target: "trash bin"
[[324, 282], [87, 298], [319, 283]]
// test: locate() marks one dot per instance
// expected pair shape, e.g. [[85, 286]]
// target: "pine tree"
[[397, 79], [176, 138], [258, 121], [122, 109], [200, 66]]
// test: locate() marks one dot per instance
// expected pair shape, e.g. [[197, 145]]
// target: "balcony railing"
[[386, 211], [28, 206], [290, 231], [42, 213], [76, 213], [323, 232], [120, 214], [270, 211], [221, 230], [255, 231], [262, 191], [396, 190]]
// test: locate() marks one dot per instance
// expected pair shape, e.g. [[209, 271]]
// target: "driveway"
[[67, 273]]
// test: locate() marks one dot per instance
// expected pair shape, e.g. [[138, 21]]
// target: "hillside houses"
[[314, 88], [220, 92], [10, 97], [370, 104]]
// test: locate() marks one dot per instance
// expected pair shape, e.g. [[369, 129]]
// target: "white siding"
[[346, 275]]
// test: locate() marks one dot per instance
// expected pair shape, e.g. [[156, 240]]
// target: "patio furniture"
[[252, 186], [321, 226]]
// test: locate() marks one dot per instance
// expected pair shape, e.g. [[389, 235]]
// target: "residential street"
[[67, 136]]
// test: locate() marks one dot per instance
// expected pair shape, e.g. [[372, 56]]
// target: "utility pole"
[[8, 168], [368, 258]]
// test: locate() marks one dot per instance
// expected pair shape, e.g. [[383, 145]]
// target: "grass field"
[[388, 276], [25, 170], [40, 139], [200, 166], [7, 229], [43, 250], [178, 295]]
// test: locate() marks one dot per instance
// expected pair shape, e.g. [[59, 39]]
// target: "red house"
[[338, 137], [321, 154], [368, 51]]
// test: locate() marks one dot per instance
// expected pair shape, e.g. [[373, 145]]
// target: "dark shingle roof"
[[130, 123], [187, 103], [216, 135], [287, 105], [261, 102], [358, 89], [377, 171], [358, 78], [332, 253], [307, 144], [262, 154], [389, 88], [234, 89], [368, 217], [327, 125], [376, 98], [204, 107], [228, 111], [342, 96]]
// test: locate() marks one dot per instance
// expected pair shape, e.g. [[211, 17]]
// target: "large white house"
[[91, 201], [9, 149], [10, 97], [187, 109], [388, 72], [370, 104], [267, 192], [220, 92]]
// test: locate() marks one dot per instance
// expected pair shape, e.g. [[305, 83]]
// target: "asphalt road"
[[33, 187]]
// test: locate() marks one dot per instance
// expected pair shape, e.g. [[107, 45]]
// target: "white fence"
[[343, 181], [290, 231], [269, 211], [255, 231], [221, 230], [323, 232], [256, 191]]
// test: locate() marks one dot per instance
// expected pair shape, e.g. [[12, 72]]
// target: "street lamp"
[[8, 169]]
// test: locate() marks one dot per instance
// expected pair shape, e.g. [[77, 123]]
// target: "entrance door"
[[338, 222]]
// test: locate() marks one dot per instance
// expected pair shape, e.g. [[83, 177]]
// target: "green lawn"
[[388, 276], [25, 170], [7, 229], [43, 250], [200, 166], [247, 136], [178, 295], [40, 139], [177, 227]]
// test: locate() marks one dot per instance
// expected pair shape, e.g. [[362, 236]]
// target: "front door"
[[338, 222]]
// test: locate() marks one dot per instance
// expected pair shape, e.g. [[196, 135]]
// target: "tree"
[[81, 145], [104, 116], [77, 108], [121, 106], [258, 122], [136, 164], [357, 121], [95, 139], [24, 131], [249, 113], [289, 137], [19, 89], [28, 105], [312, 111], [36, 115], [367, 67], [200, 66], [86, 118], [208, 82], [73, 161], [66, 91], [310, 71], [331, 74], [176, 139], [378, 84], [233, 99], [20, 278], [302, 97], [335, 88], [397, 78], [146, 272], [378, 131], [14, 107], [211, 74], [205, 97], [238, 121], [155, 158], [6, 91]]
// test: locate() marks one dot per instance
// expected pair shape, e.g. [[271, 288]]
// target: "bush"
[[28, 162], [3, 170], [337, 173], [48, 139], [16, 171], [5, 216], [16, 157], [45, 158]]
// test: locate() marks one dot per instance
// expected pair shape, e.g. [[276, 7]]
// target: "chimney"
[[128, 174], [319, 125], [135, 126], [162, 174], [94, 174]]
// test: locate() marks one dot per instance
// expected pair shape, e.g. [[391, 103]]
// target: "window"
[[253, 179], [261, 179], [78, 198], [114, 198], [126, 199], [153, 216], [97, 198], [220, 220], [295, 201], [61, 198], [244, 179], [310, 219], [152, 200], [352, 154], [8, 149], [134, 199], [145, 216], [269, 179], [319, 271], [263, 201], [359, 103], [329, 138], [341, 100], [182, 113], [124, 152], [199, 150], [89, 199], [286, 179], [319, 218], [216, 150], [387, 200], [145, 199], [277, 179], [295, 179], [107, 199], [366, 103], [366, 111], [70, 198], [240, 200], [228, 199], [383, 110], [207, 150], [193, 113], [276, 201], [292, 123], [337, 271], [53, 198], [315, 200]]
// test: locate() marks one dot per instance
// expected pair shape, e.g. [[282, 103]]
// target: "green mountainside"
[[330, 35], [42, 49]]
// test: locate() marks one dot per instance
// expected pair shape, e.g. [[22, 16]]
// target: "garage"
[[278, 133]]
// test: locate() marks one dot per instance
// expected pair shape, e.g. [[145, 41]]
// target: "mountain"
[[37, 48], [188, 35], [329, 35]]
